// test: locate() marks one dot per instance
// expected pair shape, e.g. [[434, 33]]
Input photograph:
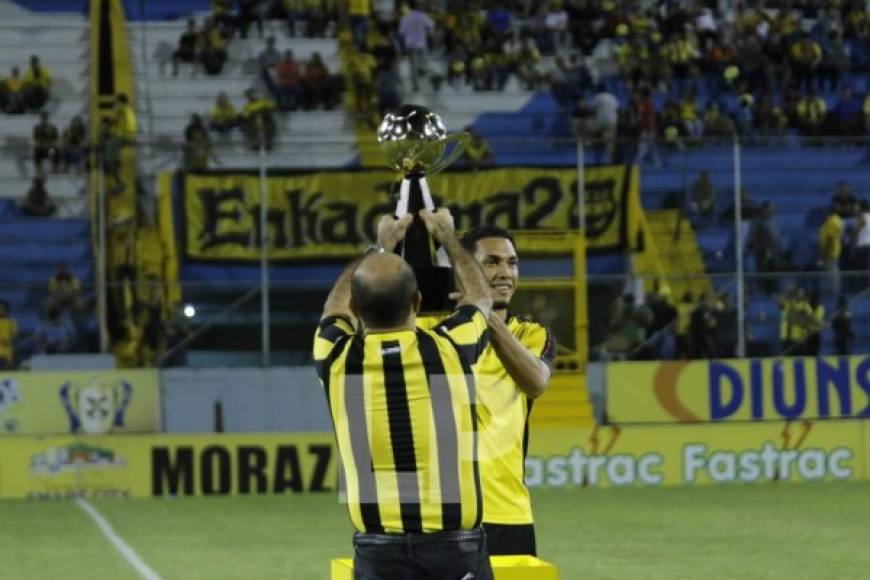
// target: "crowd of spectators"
[[205, 47], [65, 326], [282, 82], [256, 120], [297, 85], [661, 327], [811, 290], [66, 151], [25, 92], [674, 71], [684, 73]]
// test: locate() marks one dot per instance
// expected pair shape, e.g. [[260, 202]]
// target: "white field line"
[[126, 551]]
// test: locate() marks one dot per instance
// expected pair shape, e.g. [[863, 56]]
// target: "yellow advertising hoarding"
[[738, 390], [93, 402], [166, 465], [62, 467], [39, 468], [334, 213], [797, 451]]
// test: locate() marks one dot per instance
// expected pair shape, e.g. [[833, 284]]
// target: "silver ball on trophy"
[[414, 140]]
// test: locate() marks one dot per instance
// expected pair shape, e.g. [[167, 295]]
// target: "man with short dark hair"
[[514, 369], [404, 407]]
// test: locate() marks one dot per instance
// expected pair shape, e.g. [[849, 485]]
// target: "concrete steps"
[[677, 260], [565, 403]]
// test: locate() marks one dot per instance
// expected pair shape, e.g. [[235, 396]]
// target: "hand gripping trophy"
[[414, 140]]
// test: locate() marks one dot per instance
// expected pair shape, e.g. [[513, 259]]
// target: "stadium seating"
[[61, 41], [165, 103], [30, 248]]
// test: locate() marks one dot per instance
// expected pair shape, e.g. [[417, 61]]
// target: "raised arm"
[[390, 232], [469, 275], [528, 362]]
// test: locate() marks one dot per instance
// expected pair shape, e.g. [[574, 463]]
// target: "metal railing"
[[728, 266]]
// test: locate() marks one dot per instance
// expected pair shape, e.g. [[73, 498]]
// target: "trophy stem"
[[429, 262]]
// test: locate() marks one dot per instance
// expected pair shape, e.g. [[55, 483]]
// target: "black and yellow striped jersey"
[[403, 406]]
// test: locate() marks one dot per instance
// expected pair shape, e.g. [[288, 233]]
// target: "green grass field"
[[766, 531]]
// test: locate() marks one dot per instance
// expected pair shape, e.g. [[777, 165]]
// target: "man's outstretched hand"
[[391, 230], [439, 223]]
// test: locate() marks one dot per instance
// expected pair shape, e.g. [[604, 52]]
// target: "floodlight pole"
[[738, 252], [264, 252], [581, 185], [102, 270]]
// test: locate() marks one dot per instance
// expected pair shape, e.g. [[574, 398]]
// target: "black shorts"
[[510, 540], [459, 555]]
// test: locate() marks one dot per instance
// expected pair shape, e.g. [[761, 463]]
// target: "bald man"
[[402, 400]]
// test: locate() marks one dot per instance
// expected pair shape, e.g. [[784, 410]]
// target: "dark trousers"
[[454, 555], [510, 540]]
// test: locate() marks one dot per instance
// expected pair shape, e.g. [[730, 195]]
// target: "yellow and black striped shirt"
[[403, 406]]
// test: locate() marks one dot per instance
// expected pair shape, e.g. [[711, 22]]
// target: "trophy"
[[414, 140]]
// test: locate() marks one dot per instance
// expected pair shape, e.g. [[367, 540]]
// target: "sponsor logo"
[[597, 464], [798, 387], [96, 406], [10, 397], [76, 457], [243, 469]]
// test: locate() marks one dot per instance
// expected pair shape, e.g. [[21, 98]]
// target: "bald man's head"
[[383, 291]]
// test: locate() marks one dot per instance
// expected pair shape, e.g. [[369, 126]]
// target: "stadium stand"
[[527, 121], [33, 246]]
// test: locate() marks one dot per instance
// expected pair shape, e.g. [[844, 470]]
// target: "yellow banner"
[[166, 465], [738, 390], [335, 213], [92, 402], [62, 467], [798, 451]]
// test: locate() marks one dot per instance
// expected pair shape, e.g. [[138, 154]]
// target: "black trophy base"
[[435, 283]]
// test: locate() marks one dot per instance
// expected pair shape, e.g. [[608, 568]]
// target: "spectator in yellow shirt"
[[223, 117], [806, 56], [8, 334], [684, 319], [811, 113], [477, 151], [125, 117], [37, 84], [830, 247], [796, 315], [222, 15], [16, 99], [362, 68], [360, 11], [212, 48], [64, 289], [258, 121], [815, 325], [690, 116]]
